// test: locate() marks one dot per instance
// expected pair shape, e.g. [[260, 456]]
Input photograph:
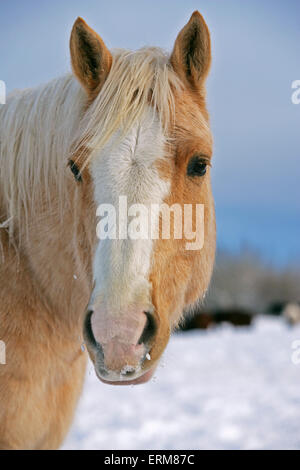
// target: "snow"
[[220, 389]]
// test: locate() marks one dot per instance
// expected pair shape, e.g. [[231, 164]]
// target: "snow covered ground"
[[220, 389]]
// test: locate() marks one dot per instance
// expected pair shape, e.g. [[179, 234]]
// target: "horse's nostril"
[[87, 329], [128, 373], [149, 330]]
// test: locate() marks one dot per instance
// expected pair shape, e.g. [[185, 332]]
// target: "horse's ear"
[[91, 60], [191, 56]]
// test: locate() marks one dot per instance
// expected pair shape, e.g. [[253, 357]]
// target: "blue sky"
[[256, 57]]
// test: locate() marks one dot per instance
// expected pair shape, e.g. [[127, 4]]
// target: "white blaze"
[[127, 167]]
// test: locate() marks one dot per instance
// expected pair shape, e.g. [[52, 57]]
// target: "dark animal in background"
[[290, 311], [276, 308], [206, 319]]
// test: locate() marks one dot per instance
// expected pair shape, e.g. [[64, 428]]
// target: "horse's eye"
[[75, 170], [197, 166]]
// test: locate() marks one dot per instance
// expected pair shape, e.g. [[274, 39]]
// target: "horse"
[[121, 123]]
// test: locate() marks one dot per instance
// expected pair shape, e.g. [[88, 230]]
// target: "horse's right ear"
[[91, 60]]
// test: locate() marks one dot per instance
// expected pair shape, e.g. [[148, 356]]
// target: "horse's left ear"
[[91, 60], [191, 56]]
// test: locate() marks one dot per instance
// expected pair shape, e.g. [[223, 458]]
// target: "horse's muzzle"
[[119, 348]]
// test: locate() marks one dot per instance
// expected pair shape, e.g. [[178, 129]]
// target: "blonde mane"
[[41, 127]]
